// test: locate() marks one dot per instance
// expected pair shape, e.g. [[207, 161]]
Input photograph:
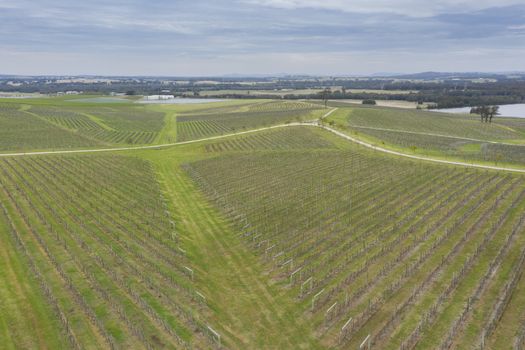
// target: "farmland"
[[59, 124], [463, 138], [101, 245], [205, 123], [344, 242], [122, 125], [285, 139], [283, 238], [284, 92], [21, 131]]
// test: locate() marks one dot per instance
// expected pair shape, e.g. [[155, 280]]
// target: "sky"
[[219, 37]]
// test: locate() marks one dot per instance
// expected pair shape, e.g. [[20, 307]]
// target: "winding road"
[[315, 123], [437, 135]]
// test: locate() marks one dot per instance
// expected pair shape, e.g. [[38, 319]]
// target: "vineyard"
[[115, 125], [287, 238], [464, 149], [517, 124], [428, 122], [416, 256], [457, 137], [213, 122], [22, 131], [298, 138], [99, 242]]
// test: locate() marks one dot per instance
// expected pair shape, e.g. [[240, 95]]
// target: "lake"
[[515, 110], [101, 100], [182, 101]]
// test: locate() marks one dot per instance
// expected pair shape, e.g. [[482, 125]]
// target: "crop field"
[[430, 122], [448, 146], [118, 125], [517, 124], [383, 103], [355, 239], [427, 133], [284, 92], [21, 131], [206, 123], [56, 124], [298, 138], [102, 249], [287, 238]]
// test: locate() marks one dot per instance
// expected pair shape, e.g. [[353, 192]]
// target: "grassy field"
[[290, 238]]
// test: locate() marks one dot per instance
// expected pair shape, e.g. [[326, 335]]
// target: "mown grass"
[[248, 311]]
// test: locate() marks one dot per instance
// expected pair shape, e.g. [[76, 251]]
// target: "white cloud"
[[256, 36], [518, 27], [325, 63], [411, 8]]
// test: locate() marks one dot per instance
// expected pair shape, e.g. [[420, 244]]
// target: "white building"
[[160, 97]]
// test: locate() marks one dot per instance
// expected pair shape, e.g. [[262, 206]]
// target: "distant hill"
[[458, 75]]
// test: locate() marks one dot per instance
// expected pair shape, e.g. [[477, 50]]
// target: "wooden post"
[[268, 250], [288, 262], [315, 298], [329, 311], [190, 271], [366, 344], [293, 274], [217, 336], [308, 281], [202, 297], [345, 327]]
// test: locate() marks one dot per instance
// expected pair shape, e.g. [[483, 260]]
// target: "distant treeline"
[[444, 93]]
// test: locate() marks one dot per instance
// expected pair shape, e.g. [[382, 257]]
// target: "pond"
[[515, 110], [101, 100], [182, 101]]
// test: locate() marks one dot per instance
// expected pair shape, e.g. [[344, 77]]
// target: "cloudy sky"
[[216, 37]]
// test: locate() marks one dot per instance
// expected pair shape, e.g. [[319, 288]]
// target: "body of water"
[[20, 96], [516, 110], [102, 100], [182, 101]]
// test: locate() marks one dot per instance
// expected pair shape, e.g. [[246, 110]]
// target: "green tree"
[[493, 111]]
